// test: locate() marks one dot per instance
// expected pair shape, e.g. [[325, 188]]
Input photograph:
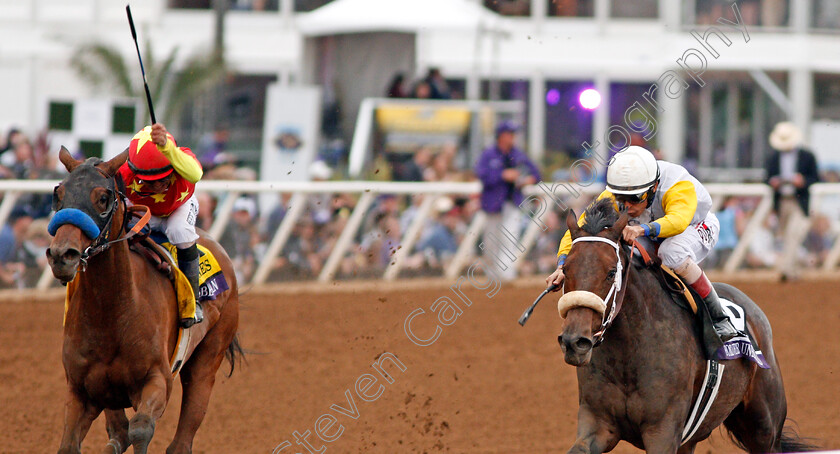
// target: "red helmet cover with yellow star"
[[145, 159]]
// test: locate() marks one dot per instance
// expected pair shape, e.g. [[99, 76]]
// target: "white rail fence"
[[824, 196]]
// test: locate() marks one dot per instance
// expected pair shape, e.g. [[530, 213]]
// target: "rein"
[[617, 290], [101, 243]]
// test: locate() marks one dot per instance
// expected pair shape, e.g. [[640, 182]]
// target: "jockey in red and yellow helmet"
[[162, 176]]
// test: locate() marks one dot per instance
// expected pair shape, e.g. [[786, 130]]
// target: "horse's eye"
[[103, 199], [611, 274]]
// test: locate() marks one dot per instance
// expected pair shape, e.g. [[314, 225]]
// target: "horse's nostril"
[[583, 344], [71, 255]]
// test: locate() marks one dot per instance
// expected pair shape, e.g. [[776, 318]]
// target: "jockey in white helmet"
[[668, 205]]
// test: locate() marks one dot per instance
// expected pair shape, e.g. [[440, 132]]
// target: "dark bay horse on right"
[[639, 384]]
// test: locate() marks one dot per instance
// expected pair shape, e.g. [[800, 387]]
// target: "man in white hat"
[[791, 170], [668, 205]]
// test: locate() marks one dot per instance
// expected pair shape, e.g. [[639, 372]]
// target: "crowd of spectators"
[[254, 221]]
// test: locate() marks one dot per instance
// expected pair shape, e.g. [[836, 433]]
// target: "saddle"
[[154, 254]]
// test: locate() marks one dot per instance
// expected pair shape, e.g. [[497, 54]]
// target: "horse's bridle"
[[101, 243], [616, 291]]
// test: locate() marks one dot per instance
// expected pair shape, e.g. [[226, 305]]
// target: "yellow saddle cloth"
[[211, 281]]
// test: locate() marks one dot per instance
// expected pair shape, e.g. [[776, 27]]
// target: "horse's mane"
[[599, 216]]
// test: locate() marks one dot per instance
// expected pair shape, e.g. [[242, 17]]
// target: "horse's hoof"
[[140, 431]]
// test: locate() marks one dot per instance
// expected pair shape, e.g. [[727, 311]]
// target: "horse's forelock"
[[599, 216]]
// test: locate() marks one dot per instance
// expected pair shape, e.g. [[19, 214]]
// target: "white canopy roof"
[[410, 16]]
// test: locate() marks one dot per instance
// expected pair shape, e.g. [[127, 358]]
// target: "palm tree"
[[104, 66]]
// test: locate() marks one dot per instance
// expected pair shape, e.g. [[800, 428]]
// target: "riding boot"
[[188, 264], [723, 326]]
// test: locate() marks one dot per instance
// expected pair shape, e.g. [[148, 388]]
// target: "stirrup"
[[199, 317], [725, 329]]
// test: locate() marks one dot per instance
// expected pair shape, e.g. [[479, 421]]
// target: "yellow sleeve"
[[679, 204], [566, 242], [186, 166]]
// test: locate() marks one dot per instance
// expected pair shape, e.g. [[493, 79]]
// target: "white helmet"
[[632, 170]]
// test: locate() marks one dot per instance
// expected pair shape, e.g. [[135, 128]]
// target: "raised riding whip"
[[142, 70], [527, 313]]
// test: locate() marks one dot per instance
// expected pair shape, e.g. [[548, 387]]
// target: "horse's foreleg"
[[594, 436], [197, 380], [662, 438], [78, 417], [117, 425], [150, 406]]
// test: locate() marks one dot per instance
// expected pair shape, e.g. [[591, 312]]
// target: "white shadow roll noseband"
[[583, 298]]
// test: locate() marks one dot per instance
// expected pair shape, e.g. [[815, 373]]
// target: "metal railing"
[[229, 191]]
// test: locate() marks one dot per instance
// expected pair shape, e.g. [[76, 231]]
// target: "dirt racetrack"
[[485, 385]]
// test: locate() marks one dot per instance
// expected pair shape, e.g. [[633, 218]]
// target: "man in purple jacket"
[[503, 170]]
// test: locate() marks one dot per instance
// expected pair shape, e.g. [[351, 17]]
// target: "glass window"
[[622, 97], [567, 123], [827, 96], [508, 90], [190, 4], [91, 148], [634, 9], [765, 13], [571, 8], [254, 5], [826, 14], [727, 126], [123, 119], [303, 6], [510, 7], [61, 116]]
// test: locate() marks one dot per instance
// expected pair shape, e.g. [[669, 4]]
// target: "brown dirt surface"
[[486, 385]]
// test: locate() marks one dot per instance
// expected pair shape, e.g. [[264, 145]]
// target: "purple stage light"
[[552, 97], [590, 99]]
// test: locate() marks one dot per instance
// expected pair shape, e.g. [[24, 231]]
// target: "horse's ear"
[[111, 167], [69, 162], [572, 223], [618, 227]]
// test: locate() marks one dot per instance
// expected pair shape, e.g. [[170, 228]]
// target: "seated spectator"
[[413, 169], [397, 89], [19, 161], [819, 240], [10, 140], [439, 89], [319, 204], [731, 219], [240, 238], [206, 210], [762, 253], [11, 240], [422, 90], [304, 249], [440, 241], [36, 241]]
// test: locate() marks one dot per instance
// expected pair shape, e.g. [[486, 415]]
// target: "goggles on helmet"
[[632, 198]]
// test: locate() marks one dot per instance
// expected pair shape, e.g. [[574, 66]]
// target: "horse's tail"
[[234, 353], [792, 442]]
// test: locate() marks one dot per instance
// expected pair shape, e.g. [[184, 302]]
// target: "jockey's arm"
[[187, 166], [679, 204], [566, 242]]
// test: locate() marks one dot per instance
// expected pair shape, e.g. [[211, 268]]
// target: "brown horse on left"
[[121, 325]]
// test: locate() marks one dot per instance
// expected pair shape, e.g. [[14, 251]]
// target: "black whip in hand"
[[143, 70], [527, 314]]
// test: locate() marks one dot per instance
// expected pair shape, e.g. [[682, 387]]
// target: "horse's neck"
[[645, 304], [107, 280]]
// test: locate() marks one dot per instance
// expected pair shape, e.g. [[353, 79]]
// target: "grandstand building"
[[724, 72]]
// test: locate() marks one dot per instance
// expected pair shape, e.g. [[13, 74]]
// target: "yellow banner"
[[423, 119]]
